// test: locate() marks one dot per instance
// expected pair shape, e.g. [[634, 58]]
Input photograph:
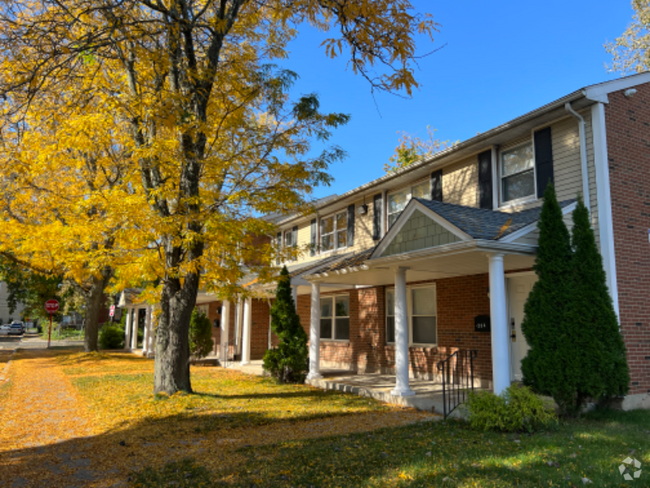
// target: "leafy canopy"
[[411, 149], [631, 51]]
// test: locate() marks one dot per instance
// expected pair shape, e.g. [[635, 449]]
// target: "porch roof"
[[467, 235], [480, 223]]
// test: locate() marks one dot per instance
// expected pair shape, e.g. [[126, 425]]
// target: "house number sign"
[[482, 323]]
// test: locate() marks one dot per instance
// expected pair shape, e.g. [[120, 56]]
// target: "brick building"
[[398, 274]]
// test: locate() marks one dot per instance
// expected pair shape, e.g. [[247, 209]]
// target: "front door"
[[518, 289]]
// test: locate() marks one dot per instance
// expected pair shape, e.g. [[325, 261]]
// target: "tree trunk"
[[94, 302], [172, 360]]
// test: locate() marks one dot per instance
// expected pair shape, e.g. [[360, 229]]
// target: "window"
[[421, 313], [335, 318], [334, 231], [288, 238], [517, 168], [398, 200], [390, 316]]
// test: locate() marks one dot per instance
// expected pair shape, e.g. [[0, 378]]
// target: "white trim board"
[[603, 193], [599, 92]]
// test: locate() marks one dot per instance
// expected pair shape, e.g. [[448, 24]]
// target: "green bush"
[[200, 334], [287, 363], [111, 337], [518, 409]]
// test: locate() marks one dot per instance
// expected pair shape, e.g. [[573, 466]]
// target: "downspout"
[[583, 154]]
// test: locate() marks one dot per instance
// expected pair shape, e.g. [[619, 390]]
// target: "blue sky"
[[501, 59]]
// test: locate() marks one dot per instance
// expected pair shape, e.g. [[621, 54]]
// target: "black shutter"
[[543, 159], [351, 225], [377, 213], [314, 232], [485, 179], [294, 237], [436, 185], [278, 243]]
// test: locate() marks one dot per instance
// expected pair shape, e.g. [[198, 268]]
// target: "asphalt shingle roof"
[[482, 223]]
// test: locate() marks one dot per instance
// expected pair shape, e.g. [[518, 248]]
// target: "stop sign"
[[51, 306]]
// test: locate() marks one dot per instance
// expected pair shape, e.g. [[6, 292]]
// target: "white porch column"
[[499, 319], [225, 329], [314, 334], [150, 333], [238, 317], [246, 335], [145, 339], [127, 328], [134, 328], [294, 295], [402, 387]]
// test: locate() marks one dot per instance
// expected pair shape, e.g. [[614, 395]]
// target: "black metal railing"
[[457, 379], [227, 357]]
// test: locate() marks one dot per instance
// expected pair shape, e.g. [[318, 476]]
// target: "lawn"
[[243, 431]]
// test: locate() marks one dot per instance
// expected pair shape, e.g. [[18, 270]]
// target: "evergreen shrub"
[[287, 362], [200, 334], [111, 337], [517, 409], [577, 352]]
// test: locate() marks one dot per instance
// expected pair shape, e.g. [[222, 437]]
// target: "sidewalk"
[[39, 392]]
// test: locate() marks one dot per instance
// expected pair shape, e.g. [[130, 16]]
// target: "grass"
[[62, 334], [427, 454], [244, 431]]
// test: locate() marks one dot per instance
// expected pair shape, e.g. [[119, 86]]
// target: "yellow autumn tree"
[[631, 51], [64, 197], [214, 141], [412, 148]]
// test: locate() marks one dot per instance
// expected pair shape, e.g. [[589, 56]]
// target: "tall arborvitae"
[[600, 359], [547, 366], [288, 361]]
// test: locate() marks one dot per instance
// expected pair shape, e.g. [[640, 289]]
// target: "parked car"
[[16, 329], [4, 329]]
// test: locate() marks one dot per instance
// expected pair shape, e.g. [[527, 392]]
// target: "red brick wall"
[[628, 147], [459, 301], [260, 329]]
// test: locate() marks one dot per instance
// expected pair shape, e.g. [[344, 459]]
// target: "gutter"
[[583, 153]]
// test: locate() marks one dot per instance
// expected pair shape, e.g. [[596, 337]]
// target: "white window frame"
[[522, 200], [334, 317], [409, 313], [408, 199], [334, 232], [284, 238]]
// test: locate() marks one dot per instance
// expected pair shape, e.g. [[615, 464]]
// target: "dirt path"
[[39, 408], [42, 393]]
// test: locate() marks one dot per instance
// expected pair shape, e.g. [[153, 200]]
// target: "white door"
[[518, 289]]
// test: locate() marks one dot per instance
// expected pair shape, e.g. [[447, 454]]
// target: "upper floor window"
[[397, 201], [517, 171], [334, 231], [289, 238]]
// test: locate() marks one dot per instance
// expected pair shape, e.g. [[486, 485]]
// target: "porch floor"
[[428, 393]]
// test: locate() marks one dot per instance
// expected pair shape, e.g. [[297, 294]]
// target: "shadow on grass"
[[320, 394], [113, 457], [425, 454], [435, 454]]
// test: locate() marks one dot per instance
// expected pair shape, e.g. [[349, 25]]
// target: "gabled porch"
[[444, 280]]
